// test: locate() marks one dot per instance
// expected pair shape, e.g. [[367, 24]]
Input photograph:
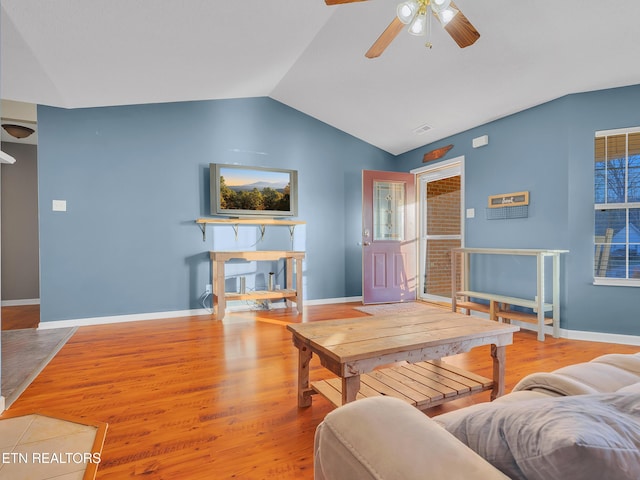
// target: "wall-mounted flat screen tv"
[[238, 190]]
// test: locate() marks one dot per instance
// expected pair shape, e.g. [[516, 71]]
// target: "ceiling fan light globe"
[[445, 16], [406, 11], [440, 5], [418, 26]]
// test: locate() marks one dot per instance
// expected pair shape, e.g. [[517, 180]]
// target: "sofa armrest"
[[385, 438]]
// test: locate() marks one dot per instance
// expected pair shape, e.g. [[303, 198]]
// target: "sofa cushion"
[[633, 388], [445, 419], [607, 373], [587, 436], [623, 361]]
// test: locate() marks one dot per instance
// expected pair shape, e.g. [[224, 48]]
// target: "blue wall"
[[596, 308], [135, 178], [549, 151]]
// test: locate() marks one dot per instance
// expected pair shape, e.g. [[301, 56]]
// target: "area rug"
[[25, 353], [40, 446], [398, 308]]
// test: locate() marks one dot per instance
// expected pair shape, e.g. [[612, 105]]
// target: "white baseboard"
[[19, 303], [601, 337], [139, 317], [328, 301], [575, 334], [2, 404], [580, 335], [136, 317]]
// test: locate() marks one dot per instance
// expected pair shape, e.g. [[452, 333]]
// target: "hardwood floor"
[[19, 317], [195, 398]]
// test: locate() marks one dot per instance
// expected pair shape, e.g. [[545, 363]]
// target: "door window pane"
[[388, 210]]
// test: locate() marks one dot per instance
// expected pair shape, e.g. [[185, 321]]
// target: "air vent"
[[422, 129]]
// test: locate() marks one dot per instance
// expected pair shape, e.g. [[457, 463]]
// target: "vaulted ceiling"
[[86, 53]]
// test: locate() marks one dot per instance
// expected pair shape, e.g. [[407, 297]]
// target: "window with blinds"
[[617, 207]]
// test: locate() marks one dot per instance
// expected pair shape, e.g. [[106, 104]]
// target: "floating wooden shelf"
[[235, 222], [251, 221]]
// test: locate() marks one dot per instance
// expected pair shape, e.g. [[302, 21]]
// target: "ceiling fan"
[[416, 14]]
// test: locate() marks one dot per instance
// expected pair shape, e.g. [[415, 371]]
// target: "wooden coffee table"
[[410, 346]]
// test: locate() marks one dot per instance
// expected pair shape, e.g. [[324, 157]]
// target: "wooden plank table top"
[[352, 347]]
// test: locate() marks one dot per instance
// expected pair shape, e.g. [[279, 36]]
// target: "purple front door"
[[388, 237]]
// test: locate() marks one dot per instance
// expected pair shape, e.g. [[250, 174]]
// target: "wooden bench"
[[499, 306]]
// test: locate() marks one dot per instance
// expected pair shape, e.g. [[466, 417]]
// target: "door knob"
[[366, 244]]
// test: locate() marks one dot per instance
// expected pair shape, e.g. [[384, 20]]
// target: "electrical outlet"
[[208, 288]]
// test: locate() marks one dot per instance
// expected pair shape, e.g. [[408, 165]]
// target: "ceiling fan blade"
[[461, 30], [385, 38], [340, 2]]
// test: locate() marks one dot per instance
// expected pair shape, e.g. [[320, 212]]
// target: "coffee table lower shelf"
[[423, 384]]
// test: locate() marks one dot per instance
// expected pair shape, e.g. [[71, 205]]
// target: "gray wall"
[[20, 258]]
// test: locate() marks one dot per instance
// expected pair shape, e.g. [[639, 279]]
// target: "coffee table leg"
[[350, 388], [499, 358], [304, 392]]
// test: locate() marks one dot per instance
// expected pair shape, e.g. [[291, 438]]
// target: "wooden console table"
[[499, 305], [218, 260]]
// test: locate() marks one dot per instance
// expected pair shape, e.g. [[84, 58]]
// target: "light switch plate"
[[471, 212], [59, 205]]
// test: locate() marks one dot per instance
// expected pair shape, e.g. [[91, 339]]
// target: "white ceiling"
[[85, 53]]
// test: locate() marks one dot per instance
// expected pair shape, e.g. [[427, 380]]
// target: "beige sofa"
[[578, 422]]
